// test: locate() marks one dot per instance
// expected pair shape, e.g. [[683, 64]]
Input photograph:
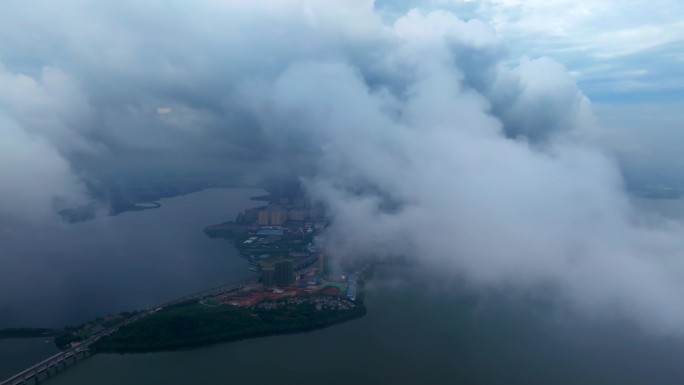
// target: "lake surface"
[[67, 274], [413, 333], [19, 354]]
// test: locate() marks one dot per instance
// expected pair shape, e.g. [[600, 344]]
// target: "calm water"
[[18, 354], [411, 334], [67, 274]]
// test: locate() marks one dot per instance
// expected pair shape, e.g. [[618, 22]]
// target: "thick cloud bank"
[[37, 121], [422, 136]]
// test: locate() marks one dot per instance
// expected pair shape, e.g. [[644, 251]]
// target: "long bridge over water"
[[52, 365]]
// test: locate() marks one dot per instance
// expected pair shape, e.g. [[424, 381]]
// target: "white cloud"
[[582, 33], [35, 179], [42, 120], [489, 162]]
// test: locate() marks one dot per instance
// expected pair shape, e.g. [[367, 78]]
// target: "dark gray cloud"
[[495, 164]]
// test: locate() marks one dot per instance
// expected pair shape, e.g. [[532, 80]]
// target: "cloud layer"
[[617, 50], [423, 135]]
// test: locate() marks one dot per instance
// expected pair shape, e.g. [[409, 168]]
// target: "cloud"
[[646, 138], [426, 135], [36, 179], [602, 37], [39, 123], [607, 28], [502, 190]]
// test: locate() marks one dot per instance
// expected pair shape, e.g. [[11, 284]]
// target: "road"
[[83, 347]]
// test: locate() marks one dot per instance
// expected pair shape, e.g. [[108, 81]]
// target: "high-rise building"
[[268, 276], [298, 215], [272, 216], [263, 218], [283, 272], [278, 216], [321, 263], [249, 215]]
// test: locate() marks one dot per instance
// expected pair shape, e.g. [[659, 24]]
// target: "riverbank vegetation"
[[227, 230], [192, 324], [64, 337]]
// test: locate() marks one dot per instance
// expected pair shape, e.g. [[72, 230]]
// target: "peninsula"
[[295, 290], [205, 322]]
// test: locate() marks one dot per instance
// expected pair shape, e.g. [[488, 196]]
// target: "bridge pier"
[[44, 370], [58, 364], [30, 378], [40, 377]]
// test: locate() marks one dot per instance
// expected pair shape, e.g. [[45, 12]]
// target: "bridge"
[[82, 349]]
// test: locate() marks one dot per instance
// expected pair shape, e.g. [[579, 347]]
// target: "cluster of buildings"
[[321, 303], [281, 245], [280, 238], [277, 214]]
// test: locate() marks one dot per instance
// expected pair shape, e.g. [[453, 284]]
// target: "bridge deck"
[[82, 347]]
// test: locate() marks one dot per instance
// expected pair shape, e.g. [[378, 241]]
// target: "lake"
[[413, 332], [66, 274]]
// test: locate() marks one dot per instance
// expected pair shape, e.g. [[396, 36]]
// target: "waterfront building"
[[268, 276], [247, 216]]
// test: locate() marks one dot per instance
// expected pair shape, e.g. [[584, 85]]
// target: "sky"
[[618, 51], [626, 56], [495, 142]]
